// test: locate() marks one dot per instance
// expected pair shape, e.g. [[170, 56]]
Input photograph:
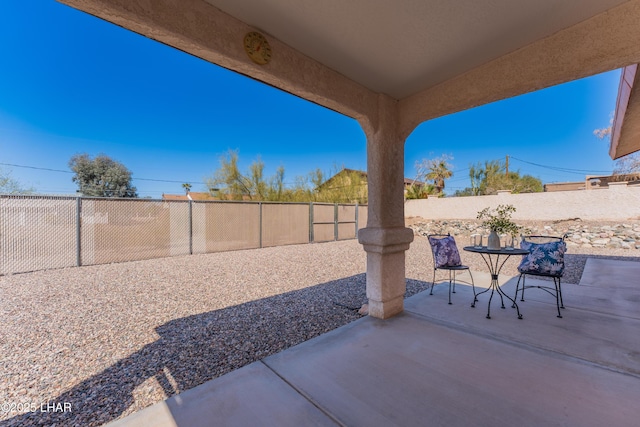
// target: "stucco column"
[[385, 239]]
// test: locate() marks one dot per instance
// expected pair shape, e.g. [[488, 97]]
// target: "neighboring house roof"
[[192, 195], [174, 197], [594, 182], [603, 181], [201, 196], [564, 186], [363, 174], [344, 171], [625, 129], [410, 181]]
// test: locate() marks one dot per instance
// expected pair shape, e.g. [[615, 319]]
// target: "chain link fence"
[[42, 232]]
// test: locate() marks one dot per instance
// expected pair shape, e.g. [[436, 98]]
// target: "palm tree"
[[187, 187], [438, 172]]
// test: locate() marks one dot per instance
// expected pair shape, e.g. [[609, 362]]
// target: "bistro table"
[[494, 269]]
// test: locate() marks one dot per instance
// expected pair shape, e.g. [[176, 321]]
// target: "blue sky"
[[71, 83]]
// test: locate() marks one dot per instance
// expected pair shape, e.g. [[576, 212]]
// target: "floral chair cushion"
[[445, 252], [543, 258]]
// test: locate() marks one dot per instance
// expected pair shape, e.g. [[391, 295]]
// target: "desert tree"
[[101, 176], [490, 177], [628, 164], [228, 181], [231, 184], [10, 185]]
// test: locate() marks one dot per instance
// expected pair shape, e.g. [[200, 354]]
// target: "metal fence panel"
[[199, 227], [363, 211], [323, 222], [346, 231], [224, 226], [37, 233], [346, 222], [116, 230], [347, 213], [41, 232], [178, 228], [285, 224]]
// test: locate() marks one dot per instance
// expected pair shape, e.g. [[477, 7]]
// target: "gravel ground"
[[110, 340]]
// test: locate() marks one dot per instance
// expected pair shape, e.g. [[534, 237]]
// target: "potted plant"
[[499, 222]]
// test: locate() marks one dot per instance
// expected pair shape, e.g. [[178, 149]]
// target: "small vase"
[[493, 242]]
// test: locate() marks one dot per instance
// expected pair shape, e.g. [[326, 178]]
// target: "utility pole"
[[507, 167]]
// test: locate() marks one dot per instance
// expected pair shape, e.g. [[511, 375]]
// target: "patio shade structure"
[[625, 129], [391, 65]]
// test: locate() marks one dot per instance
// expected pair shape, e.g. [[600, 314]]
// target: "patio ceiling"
[[402, 47]]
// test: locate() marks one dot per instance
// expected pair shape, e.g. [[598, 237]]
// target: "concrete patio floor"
[[446, 365]]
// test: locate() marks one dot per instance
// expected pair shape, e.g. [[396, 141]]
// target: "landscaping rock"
[[584, 234], [364, 310]]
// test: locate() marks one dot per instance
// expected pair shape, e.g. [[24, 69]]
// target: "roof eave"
[[625, 128]]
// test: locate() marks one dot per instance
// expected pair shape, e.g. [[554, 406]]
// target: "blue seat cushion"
[[445, 252], [545, 259]]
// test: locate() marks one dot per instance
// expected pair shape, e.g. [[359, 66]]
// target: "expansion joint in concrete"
[[305, 396]]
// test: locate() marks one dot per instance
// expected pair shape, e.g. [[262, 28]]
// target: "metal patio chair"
[[447, 257], [545, 259]]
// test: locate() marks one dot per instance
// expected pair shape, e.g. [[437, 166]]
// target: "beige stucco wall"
[[618, 202]]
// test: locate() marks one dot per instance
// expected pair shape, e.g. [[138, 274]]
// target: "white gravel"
[[112, 339]]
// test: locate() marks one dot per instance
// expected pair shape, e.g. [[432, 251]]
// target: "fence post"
[[311, 237], [260, 208], [356, 219], [190, 227], [335, 222], [78, 231]]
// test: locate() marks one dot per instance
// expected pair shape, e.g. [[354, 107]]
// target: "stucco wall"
[[618, 202]]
